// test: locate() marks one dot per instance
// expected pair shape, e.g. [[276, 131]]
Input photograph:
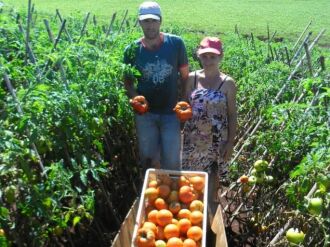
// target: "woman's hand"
[[183, 111]]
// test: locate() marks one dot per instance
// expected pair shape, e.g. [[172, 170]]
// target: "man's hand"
[[139, 104]]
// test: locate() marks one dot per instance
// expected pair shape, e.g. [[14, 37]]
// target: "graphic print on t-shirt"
[[157, 72]]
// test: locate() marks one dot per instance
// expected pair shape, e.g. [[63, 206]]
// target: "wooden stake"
[[123, 21], [294, 46], [111, 24], [50, 34], [66, 31], [20, 111], [27, 37], [298, 65], [308, 57], [306, 40], [82, 32]]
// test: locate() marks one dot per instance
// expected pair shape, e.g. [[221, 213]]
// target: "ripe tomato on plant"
[[244, 179], [139, 104]]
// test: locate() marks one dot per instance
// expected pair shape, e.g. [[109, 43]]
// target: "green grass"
[[287, 17]]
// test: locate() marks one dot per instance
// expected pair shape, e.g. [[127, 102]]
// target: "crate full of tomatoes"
[[172, 209]]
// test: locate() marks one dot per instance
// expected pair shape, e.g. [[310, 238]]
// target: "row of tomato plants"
[[293, 133]]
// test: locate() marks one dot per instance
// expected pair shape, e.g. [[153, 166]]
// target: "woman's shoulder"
[[196, 73], [229, 82]]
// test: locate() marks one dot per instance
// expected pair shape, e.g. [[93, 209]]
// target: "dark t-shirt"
[[159, 71]]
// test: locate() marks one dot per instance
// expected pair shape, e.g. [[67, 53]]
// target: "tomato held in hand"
[[139, 104], [183, 111]]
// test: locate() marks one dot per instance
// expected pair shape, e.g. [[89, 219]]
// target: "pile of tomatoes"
[[174, 212]]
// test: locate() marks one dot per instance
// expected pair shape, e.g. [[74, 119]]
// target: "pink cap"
[[210, 44]]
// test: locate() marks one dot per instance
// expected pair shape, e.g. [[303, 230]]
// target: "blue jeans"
[[159, 139]]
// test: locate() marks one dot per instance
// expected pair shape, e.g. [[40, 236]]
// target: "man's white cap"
[[149, 10]]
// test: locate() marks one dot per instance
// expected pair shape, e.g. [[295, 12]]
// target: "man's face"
[[150, 28]]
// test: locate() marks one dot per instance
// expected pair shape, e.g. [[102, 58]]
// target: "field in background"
[[287, 17]]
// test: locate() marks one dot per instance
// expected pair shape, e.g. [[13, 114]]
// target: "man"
[[160, 58]]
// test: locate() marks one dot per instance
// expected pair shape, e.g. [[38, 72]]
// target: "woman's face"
[[209, 59]]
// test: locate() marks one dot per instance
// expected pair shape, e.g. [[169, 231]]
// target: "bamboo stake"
[[50, 34], [27, 37], [252, 41], [236, 30], [294, 46], [51, 37], [65, 30], [298, 65], [322, 62], [287, 56], [136, 22], [252, 132], [94, 20], [20, 111], [308, 57], [268, 33], [29, 49], [111, 24], [301, 47], [55, 44], [82, 32], [271, 39], [122, 22]]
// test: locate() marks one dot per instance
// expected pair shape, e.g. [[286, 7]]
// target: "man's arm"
[[129, 86], [184, 75]]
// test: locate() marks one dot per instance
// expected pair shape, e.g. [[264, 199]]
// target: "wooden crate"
[[125, 233], [125, 236]]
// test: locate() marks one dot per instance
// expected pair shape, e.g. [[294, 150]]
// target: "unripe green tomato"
[[252, 180], [254, 172], [260, 165], [2, 232], [10, 192], [294, 236], [315, 205], [269, 179], [260, 178]]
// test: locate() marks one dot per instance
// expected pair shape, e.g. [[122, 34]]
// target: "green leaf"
[[4, 212], [76, 220], [83, 176]]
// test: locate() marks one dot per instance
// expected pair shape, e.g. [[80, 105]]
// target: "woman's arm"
[[232, 117], [188, 86]]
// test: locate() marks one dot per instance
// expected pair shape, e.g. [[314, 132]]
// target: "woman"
[[209, 134]]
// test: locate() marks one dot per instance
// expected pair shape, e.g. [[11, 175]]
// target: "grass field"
[[287, 17]]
